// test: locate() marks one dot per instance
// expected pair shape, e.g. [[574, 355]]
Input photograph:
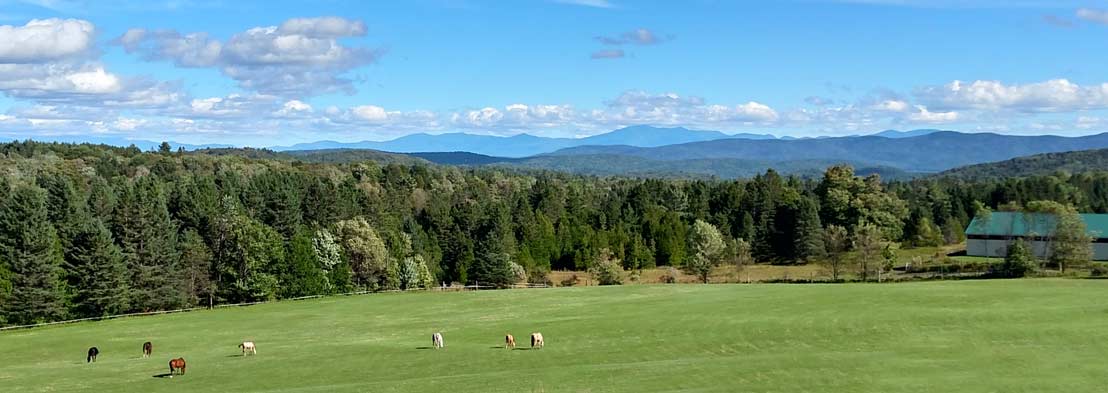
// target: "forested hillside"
[[1037, 165], [94, 230]]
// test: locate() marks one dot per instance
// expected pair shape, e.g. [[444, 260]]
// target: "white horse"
[[248, 346], [536, 340], [436, 340]]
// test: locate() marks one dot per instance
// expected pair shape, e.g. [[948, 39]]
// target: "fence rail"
[[473, 287]]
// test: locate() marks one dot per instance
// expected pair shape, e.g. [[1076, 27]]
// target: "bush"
[[569, 281], [539, 276], [518, 272], [1099, 270], [1017, 263], [670, 275], [607, 272]]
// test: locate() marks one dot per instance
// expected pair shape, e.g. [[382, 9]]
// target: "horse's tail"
[[88, 359], [171, 367]]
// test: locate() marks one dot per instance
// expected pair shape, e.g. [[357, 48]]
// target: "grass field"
[[973, 336]]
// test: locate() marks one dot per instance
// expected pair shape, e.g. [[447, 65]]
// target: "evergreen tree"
[[101, 277], [196, 262], [808, 242], [302, 275], [148, 239], [32, 256]]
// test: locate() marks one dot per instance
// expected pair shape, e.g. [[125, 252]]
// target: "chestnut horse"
[[92, 352], [509, 342], [177, 364], [147, 349]]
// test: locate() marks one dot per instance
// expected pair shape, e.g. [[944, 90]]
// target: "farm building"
[[991, 239]]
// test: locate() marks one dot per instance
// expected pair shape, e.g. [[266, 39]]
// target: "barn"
[[991, 238]]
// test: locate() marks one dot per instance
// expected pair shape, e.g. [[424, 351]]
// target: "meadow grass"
[[973, 336]]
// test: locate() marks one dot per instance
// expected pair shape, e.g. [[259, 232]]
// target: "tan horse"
[[248, 346], [536, 340], [509, 342]]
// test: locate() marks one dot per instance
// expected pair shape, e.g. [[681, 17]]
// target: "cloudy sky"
[[276, 72]]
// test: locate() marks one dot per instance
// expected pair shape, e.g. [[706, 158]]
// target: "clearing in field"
[[972, 336]]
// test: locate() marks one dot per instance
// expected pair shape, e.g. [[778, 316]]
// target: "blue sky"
[[280, 72]]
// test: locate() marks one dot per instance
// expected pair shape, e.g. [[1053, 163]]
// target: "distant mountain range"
[[525, 145], [932, 152], [680, 152]]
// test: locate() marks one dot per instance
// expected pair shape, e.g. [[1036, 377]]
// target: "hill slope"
[[926, 153], [635, 338], [1039, 164]]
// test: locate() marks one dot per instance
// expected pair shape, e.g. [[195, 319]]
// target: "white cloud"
[[922, 115], [1093, 15], [45, 40], [588, 3], [292, 107], [1056, 95], [301, 57], [371, 113], [640, 36], [607, 54], [891, 106]]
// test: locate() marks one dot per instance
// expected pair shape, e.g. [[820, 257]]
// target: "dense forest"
[[1080, 161], [94, 230]]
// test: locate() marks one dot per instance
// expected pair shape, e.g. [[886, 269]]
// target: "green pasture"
[[1033, 335]]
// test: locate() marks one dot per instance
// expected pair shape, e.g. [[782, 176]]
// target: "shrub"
[[518, 272], [1099, 270], [607, 270], [1017, 263], [569, 281], [539, 276], [670, 275]]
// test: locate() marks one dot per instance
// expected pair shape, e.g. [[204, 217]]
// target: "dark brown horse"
[[177, 364], [92, 352], [147, 349]]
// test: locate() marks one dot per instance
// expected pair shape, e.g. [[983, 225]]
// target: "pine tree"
[[196, 263], [32, 255], [101, 284], [148, 238], [809, 233], [302, 275]]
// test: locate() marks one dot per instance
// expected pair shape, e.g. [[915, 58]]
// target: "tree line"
[[95, 230]]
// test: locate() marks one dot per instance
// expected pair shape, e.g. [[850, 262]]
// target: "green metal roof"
[[1041, 224]]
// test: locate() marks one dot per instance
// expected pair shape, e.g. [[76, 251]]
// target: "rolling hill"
[[1039, 164]]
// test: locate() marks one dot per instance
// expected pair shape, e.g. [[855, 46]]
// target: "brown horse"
[[92, 352], [147, 349], [177, 364], [509, 342]]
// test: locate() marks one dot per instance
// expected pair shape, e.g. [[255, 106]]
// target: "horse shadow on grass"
[[162, 375], [425, 348], [501, 347]]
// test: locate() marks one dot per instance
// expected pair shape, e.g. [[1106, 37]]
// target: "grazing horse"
[[509, 342], [248, 346], [92, 352], [147, 349], [536, 340], [436, 341], [177, 364]]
